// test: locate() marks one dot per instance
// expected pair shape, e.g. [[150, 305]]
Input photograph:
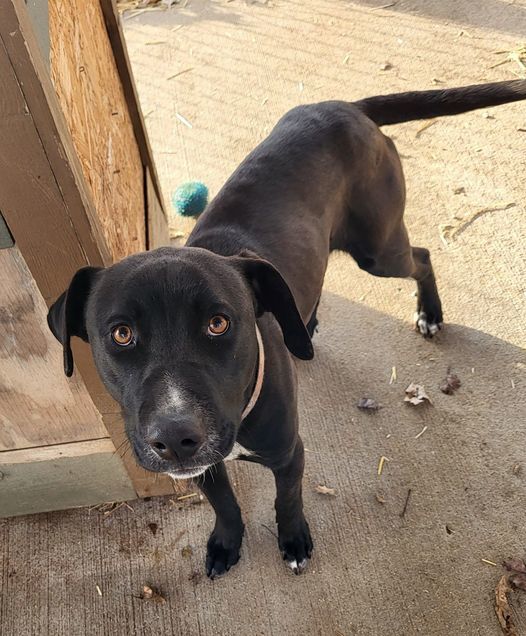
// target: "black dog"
[[190, 341]]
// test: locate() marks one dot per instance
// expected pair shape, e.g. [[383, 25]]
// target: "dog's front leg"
[[225, 541], [294, 537]]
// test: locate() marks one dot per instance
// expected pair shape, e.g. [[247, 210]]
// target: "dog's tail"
[[401, 107]]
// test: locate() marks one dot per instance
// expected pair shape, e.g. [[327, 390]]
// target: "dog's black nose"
[[172, 439]]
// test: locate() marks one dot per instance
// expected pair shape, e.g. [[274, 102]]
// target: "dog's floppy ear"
[[273, 294], [66, 315]]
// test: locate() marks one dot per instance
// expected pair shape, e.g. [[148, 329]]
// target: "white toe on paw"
[[424, 327], [293, 565], [302, 564], [296, 567], [433, 328]]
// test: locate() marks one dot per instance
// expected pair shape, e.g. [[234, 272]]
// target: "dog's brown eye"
[[218, 325], [122, 335]]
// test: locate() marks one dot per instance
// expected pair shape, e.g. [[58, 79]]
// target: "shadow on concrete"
[[384, 564], [498, 15]]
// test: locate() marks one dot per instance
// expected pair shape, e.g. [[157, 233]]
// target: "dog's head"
[[174, 340]]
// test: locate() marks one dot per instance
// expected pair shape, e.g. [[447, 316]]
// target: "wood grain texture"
[[43, 196], [122, 61], [38, 405], [89, 90], [58, 451]]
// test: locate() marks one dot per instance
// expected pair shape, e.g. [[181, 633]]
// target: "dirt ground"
[[213, 78]]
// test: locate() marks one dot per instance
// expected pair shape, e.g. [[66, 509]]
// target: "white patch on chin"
[[237, 451], [189, 474]]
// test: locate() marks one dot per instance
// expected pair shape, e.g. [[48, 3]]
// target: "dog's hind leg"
[[225, 541], [398, 259], [376, 237], [429, 308]]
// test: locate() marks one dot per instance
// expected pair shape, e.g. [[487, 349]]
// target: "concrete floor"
[[375, 572]]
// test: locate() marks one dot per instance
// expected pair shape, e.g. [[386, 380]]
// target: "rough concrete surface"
[[375, 571]]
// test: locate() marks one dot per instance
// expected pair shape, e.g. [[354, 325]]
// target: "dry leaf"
[[325, 490], [187, 551], [450, 384], [515, 565], [503, 609], [368, 404], [147, 592], [195, 577], [153, 528], [151, 594], [415, 394], [518, 581]]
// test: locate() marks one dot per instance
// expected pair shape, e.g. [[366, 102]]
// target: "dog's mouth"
[[187, 473], [211, 454]]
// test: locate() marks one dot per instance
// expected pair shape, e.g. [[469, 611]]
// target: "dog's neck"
[[259, 377]]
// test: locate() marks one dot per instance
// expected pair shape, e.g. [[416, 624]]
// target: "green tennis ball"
[[190, 198]]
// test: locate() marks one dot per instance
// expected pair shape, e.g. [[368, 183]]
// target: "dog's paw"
[[427, 325], [296, 548], [222, 552]]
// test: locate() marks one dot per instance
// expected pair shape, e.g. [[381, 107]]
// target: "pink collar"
[[259, 379]]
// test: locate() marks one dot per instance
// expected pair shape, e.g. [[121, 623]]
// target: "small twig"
[[183, 120], [385, 6], [402, 514], [270, 530], [421, 432], [427, 125], [499, 63], [465, 224], [130, 13], [186, 70], [183, 497], [489, 562], [381, 463]]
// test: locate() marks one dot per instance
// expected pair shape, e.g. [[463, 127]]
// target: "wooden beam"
[[60, 477], [158, 231], [56, 451], [45, 200], [38, 10], [38, 405], [52, 218]]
